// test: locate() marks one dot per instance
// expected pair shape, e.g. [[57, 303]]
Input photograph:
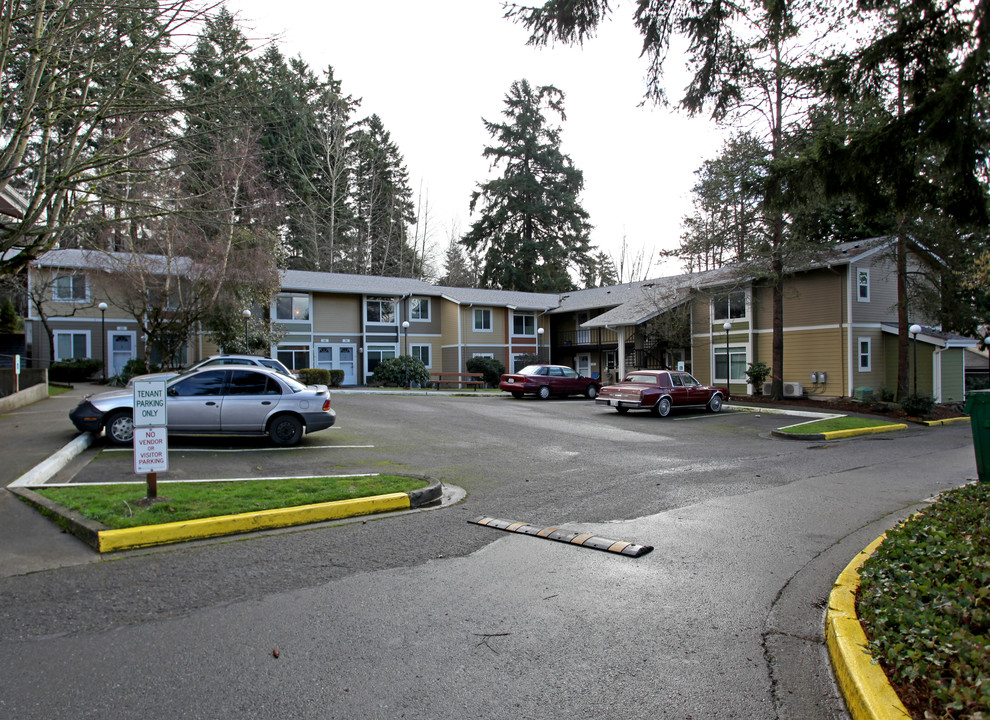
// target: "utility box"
[[978, 408]]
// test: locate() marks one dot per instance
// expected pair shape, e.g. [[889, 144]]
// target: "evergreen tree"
[[458, 272], [532, 230]]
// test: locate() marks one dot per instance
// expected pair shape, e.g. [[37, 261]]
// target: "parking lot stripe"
[[619, 547]]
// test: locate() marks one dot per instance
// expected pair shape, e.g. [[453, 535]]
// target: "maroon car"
[[661, 390], [546, 380]]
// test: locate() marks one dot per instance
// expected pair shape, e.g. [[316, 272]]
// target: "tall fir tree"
[[532, 229]]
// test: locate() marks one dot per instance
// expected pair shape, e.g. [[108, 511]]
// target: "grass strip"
[[834, 424], [125, 506]]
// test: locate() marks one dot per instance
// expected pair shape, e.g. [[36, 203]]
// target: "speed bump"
[[565, 536]]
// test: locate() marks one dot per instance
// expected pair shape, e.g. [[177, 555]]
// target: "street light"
[[727, 326], [405, 355], [914, 330], [103, 330], [539, 350], [247, 316]]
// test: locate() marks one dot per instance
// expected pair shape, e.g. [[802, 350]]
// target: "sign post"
[[150, 431], [17, 373]]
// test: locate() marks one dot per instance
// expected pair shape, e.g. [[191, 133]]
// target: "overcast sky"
[[432, 70]]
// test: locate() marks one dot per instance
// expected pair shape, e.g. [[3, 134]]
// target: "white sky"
[[432, 70]]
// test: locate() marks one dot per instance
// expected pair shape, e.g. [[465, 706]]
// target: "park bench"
[[474, 380]]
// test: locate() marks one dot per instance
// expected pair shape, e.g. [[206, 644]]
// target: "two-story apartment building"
[[840, 331]]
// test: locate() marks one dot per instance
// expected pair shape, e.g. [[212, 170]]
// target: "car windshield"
[[533, 370]]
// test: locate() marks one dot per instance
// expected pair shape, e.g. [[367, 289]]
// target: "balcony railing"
[[590, 337]]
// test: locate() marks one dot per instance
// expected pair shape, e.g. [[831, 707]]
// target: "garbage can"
[[978, 409]]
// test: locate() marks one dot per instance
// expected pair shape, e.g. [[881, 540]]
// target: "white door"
[[122, 349], [338, 357], [584, 364]]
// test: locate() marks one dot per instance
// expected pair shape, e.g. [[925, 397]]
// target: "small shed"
[[941, 366]]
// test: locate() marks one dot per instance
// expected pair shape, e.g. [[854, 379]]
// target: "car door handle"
[[266, 402], [210, 403]]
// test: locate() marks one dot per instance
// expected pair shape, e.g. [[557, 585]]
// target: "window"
[[293, 357], [482, 320], [524, 324], [208, 383], [377, 353], [864, 354], [737, 364], [70, 288], [292, 308], [245, 382], [419, 309], [422, 352], [380, 310], [863, 285], [71, 345], [730, 306]]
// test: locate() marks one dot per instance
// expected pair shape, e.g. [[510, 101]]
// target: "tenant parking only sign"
[[150, 433]]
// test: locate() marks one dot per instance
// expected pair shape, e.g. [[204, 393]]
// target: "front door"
[[122, 349], [583, 362], [338, 357]]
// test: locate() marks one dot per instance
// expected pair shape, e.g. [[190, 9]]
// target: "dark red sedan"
[[546, 380], [661, 390]]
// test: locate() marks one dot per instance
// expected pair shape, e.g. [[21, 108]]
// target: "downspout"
[[848, 363]]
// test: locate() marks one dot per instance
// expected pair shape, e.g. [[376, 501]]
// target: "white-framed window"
[[380, 310], [71, 344], [419, 309], [864, 346], [737, 364], [483, 320], [294, 357], [730, 306], [519, 360], [863, 285], [292, 308], [376, 353], [422, 352], [524, 323], [70, 288]]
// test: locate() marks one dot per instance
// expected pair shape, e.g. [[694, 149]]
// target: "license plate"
[[613, 403]]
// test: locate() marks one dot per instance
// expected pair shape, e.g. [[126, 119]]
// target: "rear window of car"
[[533, 370], [642, 379]]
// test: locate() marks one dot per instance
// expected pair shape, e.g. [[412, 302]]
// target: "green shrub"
[[396, 372], [74, 370], [884, 395], [758, 373], [924, 600], [918, 405], [314, 376], [336, 378], [491, 368]]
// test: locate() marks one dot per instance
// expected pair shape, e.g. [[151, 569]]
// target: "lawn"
[[125, 506], [835, 424]]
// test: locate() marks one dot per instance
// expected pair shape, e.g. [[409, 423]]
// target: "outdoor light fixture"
[[914, 330], [539, 350], [103, 329], [727, 326], [247, 316], [405, 355]]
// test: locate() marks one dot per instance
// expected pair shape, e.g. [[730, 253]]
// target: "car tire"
[[662, 408], [119, 427], [285, 430], [543, 393], [715, 404], [591, 392], [517, 394]]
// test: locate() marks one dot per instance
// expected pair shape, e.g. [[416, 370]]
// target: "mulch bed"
[[850, 406]]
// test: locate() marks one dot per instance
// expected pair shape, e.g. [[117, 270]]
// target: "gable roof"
[[111, 261], [935, 336]]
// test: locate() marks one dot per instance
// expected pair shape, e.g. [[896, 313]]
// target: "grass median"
[[126, 506], [835, 425]]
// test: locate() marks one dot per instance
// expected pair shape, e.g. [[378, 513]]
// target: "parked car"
[[234, 400], [257, 360], [661, 390], [546, 380]]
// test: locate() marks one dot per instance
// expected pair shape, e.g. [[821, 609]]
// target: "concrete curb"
[[839, 434], [46, 468], [947, 421], [864, 685], [104, 539]]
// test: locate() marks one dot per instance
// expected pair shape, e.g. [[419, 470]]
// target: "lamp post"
[[405, 354], [728, 375], [247, 316], [914, 330], [539, 350], [103, 330]]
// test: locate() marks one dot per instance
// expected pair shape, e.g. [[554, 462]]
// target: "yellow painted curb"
[[947, 421], [864, 685], [148, 535], [834, 434]]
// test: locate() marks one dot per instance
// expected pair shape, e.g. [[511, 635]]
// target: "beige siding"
[[812, 300], [807, 351], [336, 314]]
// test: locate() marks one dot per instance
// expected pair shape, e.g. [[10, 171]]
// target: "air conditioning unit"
[[767, 388], [793, 389]]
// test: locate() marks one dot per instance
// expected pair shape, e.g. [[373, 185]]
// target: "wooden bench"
[[457, 378]]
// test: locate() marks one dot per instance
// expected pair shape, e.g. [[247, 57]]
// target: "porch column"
[[620, 332]]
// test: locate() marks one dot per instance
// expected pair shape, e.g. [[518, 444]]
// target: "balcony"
[[586, 338]]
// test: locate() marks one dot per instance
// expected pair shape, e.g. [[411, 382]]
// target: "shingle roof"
[[110, 261], [935, 336], [309, 281]]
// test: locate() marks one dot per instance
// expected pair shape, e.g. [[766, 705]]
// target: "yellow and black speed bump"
[[565, 536]]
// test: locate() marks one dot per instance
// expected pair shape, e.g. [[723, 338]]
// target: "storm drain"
[[566, 536]]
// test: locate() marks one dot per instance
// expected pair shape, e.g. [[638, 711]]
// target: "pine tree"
[[532, 231]]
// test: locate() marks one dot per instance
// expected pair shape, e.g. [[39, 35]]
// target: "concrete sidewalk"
[[28, 436]]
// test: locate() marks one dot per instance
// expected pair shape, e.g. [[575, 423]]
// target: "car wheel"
[[543, 393], [591, 392], [517, 394], [662, 408], [285, 430], [120, 427], [715, 404], [622, 410]]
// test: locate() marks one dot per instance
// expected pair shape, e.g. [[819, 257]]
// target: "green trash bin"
[[978, 409]]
